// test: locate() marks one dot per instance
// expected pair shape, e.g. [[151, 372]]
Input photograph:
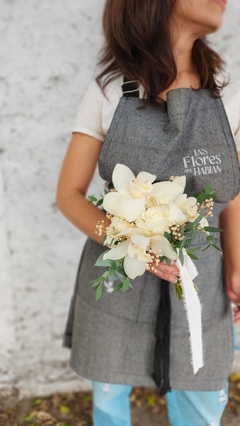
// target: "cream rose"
[[153, 221]]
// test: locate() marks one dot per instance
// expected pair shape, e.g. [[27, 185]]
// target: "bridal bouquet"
[[150, 223]]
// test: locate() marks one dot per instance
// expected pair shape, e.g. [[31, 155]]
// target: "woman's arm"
[[76, 174], [230, 223]]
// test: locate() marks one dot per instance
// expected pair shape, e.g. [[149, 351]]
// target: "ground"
[[74, 409]]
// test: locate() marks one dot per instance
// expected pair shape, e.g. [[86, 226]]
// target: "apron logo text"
[[200, 163]]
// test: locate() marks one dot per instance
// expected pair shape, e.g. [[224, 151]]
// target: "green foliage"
[[97, 201], [179, 291], [206, 194], [114, 272], [165, 259]]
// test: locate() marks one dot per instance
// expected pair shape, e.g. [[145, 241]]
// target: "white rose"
[[153, 221], [119, 224]]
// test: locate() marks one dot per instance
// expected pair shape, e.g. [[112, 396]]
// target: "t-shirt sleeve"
[[237, 135], [237, 112], [89, 115], [231, 100]]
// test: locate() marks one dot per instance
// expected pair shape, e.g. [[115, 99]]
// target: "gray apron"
[[112, 340]]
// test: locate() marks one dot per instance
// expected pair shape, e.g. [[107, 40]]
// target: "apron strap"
[[162, 346], [130, 89]]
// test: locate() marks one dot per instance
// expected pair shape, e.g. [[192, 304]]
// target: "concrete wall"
[[48, 54]]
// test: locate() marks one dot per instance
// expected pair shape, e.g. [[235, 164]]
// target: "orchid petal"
[[138, 253], [143, 177], [175, 214], [131, 208], [118, 252], [123, 206], [191, 201], [140, 241], [121, 177], [128, 232], [161, 245], [134, 189], [111, 203], [166, 189], [180, 180], [133, 267], [180, 201]]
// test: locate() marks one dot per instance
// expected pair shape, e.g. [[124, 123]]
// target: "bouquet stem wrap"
[[188, 272]]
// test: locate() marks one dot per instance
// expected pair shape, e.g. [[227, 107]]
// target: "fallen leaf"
[[87, 398], [151, 400], [43, 416], [36, 402], [238, 409], [30, 417], [234, 377], [64, 409]]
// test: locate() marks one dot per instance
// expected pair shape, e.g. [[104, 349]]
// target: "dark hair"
[[138, 46]]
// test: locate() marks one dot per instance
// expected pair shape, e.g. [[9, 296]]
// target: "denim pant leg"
[[195, 408], [111, 405]]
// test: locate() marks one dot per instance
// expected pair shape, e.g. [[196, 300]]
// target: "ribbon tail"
[[194, 315]]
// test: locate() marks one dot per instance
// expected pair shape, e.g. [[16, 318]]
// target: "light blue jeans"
[[111, 406]]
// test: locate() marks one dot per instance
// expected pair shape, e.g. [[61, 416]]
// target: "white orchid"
[[113, 231], [166, 192], [135, 251], [132, 194], [188, 205], [130, 197]]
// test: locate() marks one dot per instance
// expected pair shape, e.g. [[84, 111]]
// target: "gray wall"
[[48, 54]]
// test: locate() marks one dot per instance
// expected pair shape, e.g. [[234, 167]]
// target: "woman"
[[155, 107]]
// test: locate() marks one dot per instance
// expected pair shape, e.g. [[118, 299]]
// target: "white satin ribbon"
[[188, 272]]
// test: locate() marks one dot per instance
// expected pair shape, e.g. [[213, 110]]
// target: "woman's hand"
[[236, 314], [162, 270]]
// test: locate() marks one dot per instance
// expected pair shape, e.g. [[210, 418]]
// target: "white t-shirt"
[[96, 110]]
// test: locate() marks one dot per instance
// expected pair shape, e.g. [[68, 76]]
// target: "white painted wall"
[[48, 54]]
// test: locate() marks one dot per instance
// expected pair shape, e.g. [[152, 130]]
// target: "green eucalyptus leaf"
[[92, 199], [119, 287], [99, 292], [97, 281], [168, 236], [212, 229], [103, 262], [207, 247], [217, 248], [165, 259], [178, 291], [193, 249], [181, 258], [121, 276], [113, 277], [126, 284], [210, 239], [192, 256]]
